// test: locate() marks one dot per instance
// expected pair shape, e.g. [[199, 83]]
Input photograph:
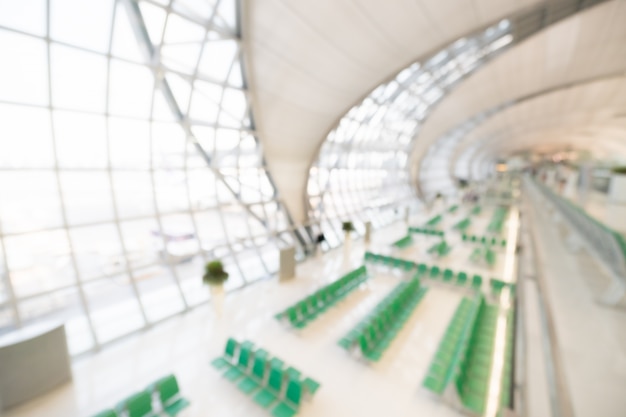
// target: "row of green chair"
[[497, 220], [463, 224], [265, 378], [440, 249], [426, 231], [447, 275], [403, 243], [390, 261], [170, 402], [460, 279], [308, 309], [452, 347], [434, 221], [352, 337], [483, 253], [378, 334], [472, 380], [485, 240], [498, 285]]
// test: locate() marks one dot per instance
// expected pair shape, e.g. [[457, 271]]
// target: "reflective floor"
[[186, 344]]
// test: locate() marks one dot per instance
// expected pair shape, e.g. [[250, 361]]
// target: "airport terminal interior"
[[321, 208]]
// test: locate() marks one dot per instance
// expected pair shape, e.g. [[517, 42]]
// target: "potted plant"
[[215, 276], [347, 227]]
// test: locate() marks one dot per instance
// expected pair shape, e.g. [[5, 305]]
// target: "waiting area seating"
[[476, 210], [312, 306], [460, 279], [376, 331], [268, 380], [484, 255], [453, 208], [464, 358], [170, 402], [463, 224], [440, 249], [426, 231], [484, 240], [497, 220], [434, 221], [403, 243]]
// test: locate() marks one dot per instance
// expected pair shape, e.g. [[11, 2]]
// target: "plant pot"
[[216, 292]]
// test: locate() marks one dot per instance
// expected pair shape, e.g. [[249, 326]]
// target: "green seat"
[[270, 393], [140, 405], [170, 397], [243, 364], [434, 272], [291, 403], [311, 385], [461, 278], [107, 413], [259, 368], [229, 355], [448, 275], [477, 281]]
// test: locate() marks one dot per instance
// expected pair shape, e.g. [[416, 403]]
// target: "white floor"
[[186, 344]]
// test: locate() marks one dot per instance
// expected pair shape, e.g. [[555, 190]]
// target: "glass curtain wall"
[[128, 159], [361, 172]]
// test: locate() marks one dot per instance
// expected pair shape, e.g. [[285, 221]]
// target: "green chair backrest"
[[434, 271], [276, 379], [139, 404], [244, 356], [168, 388], [260, 365], [231, 347], [107, 413], [294, 392], [363, 342]]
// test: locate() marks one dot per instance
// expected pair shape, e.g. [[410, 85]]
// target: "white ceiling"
[[589, 116], [586, 46], [310, 61]]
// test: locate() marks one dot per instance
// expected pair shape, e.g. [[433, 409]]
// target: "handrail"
[[607, 244]]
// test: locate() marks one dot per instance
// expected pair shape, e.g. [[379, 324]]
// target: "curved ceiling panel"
[[587, 46], [590, 116], [310, 61]]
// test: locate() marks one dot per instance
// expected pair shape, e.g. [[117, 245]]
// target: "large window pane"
[[97, 250], [87, 197], [26, 137], [23, 73], [39, 262], [78, 79], [143, 241], [159, 293], [133, 194], [91, 30], [30, 201], [80, 140], [114, 308]]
